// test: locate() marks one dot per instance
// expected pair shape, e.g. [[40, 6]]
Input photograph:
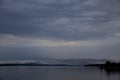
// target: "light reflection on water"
[[55, 73]]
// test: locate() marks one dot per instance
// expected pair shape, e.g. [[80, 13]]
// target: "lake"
[[55, 73]]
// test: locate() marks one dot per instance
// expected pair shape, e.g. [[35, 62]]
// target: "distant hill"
[[67, 62]]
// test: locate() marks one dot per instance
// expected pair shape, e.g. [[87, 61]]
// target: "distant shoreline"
[[34, 64]]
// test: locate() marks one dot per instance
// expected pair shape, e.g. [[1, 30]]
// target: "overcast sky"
[[37, 29]]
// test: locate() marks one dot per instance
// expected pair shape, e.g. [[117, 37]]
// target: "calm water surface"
[[55, 73]]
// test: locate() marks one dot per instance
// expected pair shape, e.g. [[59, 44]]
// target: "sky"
[[61, 29]]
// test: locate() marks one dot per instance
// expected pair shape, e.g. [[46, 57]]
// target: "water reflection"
[[110, 71], [55, 73]]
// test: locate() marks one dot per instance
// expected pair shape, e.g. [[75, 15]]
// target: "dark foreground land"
[[108, 66]]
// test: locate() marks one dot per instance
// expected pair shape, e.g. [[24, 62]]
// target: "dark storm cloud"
[[64, 19], [59, 28]]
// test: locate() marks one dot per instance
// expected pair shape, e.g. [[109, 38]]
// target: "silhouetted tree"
[[108, 63]]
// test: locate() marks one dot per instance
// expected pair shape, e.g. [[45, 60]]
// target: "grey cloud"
[[33, 18], [61, 20]]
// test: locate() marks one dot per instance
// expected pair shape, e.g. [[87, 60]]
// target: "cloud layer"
[[72, 27]]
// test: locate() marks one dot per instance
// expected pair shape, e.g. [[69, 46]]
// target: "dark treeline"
[[108, 66], [114, 65]]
